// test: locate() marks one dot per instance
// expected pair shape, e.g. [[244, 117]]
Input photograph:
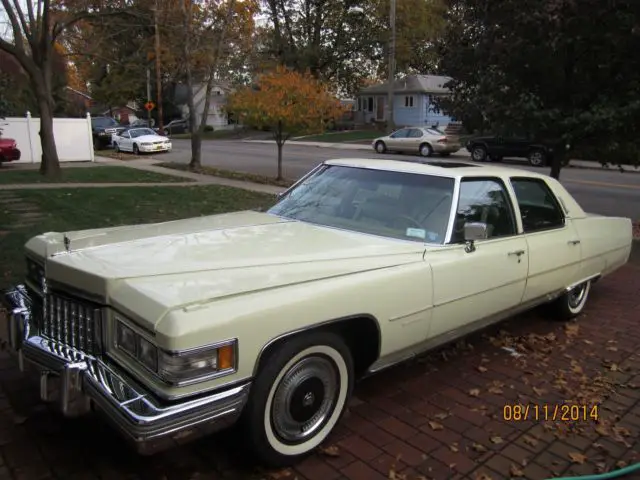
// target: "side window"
[[487, 201], [126, 135], [400, 133], [415, 133], [539, 208]]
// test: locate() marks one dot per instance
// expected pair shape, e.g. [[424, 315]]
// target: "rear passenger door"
[[552, 241], [414, 139]]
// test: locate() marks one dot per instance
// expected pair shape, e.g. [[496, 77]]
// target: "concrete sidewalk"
[[148, 165], [461, 153]]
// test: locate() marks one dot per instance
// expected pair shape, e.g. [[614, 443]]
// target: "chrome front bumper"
[[81, 382]]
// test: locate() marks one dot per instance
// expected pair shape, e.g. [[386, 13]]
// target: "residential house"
[[413, 101], [217, 117], [83, 102]]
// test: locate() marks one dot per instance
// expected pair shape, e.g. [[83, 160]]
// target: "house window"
[[370, 104], [408, 101]]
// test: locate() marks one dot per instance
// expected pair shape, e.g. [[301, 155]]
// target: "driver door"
[[397, 138], [125, 141], [474, 287]]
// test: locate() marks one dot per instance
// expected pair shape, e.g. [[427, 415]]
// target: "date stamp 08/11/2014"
[[550, 412]]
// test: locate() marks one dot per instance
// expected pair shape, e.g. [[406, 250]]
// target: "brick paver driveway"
[[438, 417]]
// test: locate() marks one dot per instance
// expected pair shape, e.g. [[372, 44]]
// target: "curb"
[[347, 146]]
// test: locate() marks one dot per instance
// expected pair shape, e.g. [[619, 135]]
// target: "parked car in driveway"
[[9, 151], [177, 126], [103, 129], [141, 140], [421, 140], [179, 329], [498, 147]]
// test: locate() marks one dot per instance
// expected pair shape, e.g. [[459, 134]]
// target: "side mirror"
[[474, 231]]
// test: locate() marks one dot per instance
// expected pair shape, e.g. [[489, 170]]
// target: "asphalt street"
[[607, 192]]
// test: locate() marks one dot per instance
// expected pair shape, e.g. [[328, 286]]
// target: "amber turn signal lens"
[[225, 357]]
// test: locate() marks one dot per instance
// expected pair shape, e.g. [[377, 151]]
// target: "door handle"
[[573, 242], [517, 252]]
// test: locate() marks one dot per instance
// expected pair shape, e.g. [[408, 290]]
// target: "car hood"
[[147, 270], [151, 138]]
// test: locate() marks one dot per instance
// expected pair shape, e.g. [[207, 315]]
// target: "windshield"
[[138, 132], [400, 205], [103, 122]]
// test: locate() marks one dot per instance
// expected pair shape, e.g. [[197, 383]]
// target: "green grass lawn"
[[347, 136], [93, 174], [231, 174], [68, 209]]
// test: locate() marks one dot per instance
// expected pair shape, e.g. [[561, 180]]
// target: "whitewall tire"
[[572, 303], [298, 397]]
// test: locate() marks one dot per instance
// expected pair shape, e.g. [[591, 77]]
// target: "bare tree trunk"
[[194, 164], [280, 137], [557, 161], [196, 137], [50, 162]]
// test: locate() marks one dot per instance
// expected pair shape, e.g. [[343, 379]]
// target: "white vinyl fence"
[[74, 140]]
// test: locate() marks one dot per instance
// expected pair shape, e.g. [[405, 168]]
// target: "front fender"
[[400, 298]]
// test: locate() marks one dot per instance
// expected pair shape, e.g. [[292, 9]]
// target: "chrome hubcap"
[[478, 154], [536, 158], [304, 399], [380, 148], [576, 296]]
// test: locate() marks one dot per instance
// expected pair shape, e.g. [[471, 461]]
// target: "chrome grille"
[[35, 273], [72, 322]]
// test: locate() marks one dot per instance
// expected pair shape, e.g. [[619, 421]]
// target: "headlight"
[[177, 368]]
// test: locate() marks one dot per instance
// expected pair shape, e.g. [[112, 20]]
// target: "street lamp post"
[[392, 65]]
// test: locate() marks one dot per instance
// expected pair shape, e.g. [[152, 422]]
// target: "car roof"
[[443, 168]]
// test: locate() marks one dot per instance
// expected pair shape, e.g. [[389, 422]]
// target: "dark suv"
[[497, 147], [103, 128]]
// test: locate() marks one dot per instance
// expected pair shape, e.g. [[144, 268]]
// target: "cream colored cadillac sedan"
[[179, 329]]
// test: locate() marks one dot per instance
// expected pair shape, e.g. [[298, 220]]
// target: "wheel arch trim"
[[314, 327]]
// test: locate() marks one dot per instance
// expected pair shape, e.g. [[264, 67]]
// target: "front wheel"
[[381, 147], [298, 397], [136, 150], [572, 303]]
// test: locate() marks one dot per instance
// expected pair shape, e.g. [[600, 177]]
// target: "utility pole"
[[158, 82], [392, 65], [148, 94]]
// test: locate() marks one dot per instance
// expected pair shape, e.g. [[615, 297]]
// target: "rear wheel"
[[537, 158], [298, 397], [571, 303], [426, 150]]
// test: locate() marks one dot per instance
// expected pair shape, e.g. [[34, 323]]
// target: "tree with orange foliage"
[[287, 102]]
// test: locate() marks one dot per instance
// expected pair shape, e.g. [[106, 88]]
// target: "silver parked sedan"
[[422, 140]]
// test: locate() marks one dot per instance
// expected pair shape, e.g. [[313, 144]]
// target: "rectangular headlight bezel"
[[225, 354], [175, 368]]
